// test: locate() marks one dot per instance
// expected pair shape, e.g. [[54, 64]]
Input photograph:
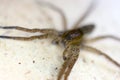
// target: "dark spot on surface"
[[94, 78], [21, 47], [28, 72], [92, 61], [19, 63], [84, 60], [43, 58], [56, 68], [5, 54], [42, 42], [33, 61], [52, 75]]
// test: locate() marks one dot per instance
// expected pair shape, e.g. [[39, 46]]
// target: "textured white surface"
[[17, 57]]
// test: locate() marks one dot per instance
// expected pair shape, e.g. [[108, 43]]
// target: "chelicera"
[[72, 40]]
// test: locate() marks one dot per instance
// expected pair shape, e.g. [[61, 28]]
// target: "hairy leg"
[[70, 55], [65, 64], [29, 30], [94, 50], [71, 63], [101, 38], [64, 20], [62, 70], [25, 38]]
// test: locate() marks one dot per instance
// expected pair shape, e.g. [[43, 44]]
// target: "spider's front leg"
[[71, 63], [25, 38], [48, 33], [34, 30], [70, 55]]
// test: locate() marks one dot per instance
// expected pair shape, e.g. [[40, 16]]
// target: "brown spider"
[[73, 40]]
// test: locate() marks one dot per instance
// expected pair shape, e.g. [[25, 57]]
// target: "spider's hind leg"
[[94, 50]]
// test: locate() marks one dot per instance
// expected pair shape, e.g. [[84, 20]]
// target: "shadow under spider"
[[73, 40]]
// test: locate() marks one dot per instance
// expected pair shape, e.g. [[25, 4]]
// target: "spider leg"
[[65, 64], [62, 70], [101, 38], [29, 30], [53, 7], [88, 48], [70, 56], [72, 61], [79, 21], [25, 38]]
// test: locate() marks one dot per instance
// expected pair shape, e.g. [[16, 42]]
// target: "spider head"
[[75, 36]]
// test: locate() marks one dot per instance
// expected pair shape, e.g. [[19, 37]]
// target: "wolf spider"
[[73, 40]]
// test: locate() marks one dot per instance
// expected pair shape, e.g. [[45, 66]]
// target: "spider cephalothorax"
[[75, 36]]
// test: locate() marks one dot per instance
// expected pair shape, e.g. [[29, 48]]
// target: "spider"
[[72, 40]]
